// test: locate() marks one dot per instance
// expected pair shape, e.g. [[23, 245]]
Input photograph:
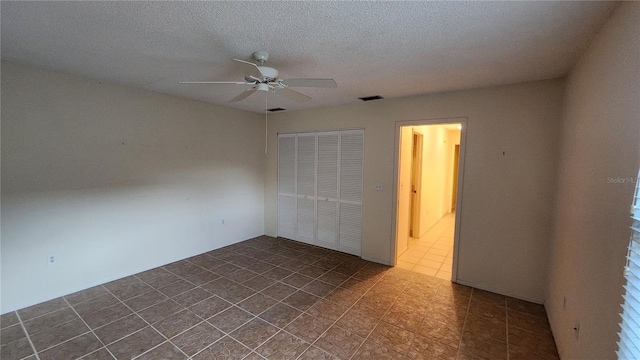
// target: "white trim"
[[485, 288], [375, 260]]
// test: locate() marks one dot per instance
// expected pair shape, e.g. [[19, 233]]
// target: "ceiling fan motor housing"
[[269, 74]]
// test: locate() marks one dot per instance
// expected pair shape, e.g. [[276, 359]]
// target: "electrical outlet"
[[378, 187], [52, 259]]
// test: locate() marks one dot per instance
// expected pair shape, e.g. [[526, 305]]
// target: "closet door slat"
[[328, 165], [327, 224], [306, 165], [350, 228], [287, 216], [305, 220], [287, 165], [351, 159]]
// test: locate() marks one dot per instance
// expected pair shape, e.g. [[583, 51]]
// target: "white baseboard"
[[383, 262], [486, 288]]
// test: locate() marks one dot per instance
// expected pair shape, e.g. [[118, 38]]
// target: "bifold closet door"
[[350, 191], [327, 190], [306, 188], [320, 188], [287, 204]]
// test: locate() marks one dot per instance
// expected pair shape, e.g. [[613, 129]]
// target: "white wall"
[[600, 140], [504, 249], [115, 180]]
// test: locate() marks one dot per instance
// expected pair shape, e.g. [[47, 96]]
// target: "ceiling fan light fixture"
[[262, 87]]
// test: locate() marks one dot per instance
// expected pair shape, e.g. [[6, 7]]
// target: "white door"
[[306, 187], [350, 184], [320, 188], [287, 186], [327, 190]]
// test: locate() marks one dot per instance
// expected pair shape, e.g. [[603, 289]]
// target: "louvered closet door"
[[327, 190], [287, 217], [320, 188], [306, 187], [350, 191]]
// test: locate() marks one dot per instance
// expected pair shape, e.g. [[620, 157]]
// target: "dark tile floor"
[[278, 299]]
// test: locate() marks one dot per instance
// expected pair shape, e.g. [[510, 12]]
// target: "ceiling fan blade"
[[216, 82], [251, 69], [321, 83], [243, 95], [292, 95]]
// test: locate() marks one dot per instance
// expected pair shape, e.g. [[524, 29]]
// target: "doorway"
[[427, 197]]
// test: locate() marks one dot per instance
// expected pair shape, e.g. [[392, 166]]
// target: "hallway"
[[432, 254]]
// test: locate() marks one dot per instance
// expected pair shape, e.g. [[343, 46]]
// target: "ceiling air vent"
[[276, 109], [369, 98]]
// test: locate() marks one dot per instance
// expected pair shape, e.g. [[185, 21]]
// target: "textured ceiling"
[[392, 49]]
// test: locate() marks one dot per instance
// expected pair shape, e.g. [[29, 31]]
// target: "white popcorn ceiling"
[[392, 49]]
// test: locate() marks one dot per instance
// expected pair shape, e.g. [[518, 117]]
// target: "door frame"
[[461, 166], [416, 182]]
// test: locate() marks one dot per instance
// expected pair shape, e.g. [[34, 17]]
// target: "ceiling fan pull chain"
[[266, 123]]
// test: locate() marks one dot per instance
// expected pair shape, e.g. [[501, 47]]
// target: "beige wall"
[[600, 141], [115, 180], [503, 250]]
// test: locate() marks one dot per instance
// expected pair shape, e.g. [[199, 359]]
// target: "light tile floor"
[[269, 298], [432, 254]]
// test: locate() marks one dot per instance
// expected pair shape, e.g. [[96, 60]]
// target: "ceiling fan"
[[264, 78]]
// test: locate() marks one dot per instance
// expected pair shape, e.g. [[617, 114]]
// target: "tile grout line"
[[33, 348], [278, 302], [348, 309], [187, 307], [464, 324], [195, 286], [64, 323], [506, 322], [430, 247], [303, 312], [88, 327], [235, 304], [374, 327], [137, 331], [256, 317], [314, 278]]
